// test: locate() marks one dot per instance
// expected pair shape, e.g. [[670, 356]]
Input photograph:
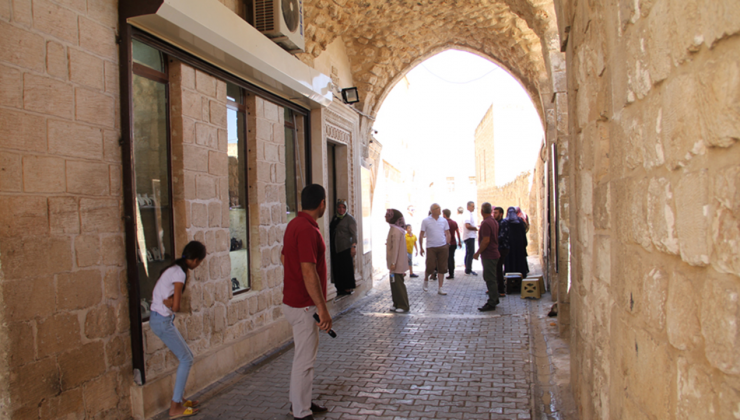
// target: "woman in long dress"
[[516, 260], [343, 246], [397, 259]]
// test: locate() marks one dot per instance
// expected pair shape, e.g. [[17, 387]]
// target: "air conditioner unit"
[[281, 21]]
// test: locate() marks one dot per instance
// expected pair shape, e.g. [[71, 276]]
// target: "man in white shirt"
[[470, 231], [437, 231]]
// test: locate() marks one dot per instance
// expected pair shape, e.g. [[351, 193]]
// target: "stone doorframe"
[[339, 124]]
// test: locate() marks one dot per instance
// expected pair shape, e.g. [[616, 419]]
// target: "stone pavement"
[[443, 360]]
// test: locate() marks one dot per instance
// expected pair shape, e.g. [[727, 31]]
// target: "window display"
[[153, 214], [295, 162], [238, 204]]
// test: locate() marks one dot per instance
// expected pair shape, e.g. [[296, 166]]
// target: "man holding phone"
[[304, 294]]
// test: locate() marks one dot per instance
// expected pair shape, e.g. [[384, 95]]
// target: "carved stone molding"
[[342, 129]]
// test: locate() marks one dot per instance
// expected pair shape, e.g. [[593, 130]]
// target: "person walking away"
[[488, 252], [304, 294], [516, 260], [343, 247], [410, 247], [437, 230], [470, 232], [503, 248], [396, 256], [453, 245], [166, 299]]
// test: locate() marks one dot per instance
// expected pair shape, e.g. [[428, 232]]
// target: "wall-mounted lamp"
[[350, 95]]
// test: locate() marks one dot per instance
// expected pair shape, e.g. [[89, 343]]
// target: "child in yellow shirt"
[[410, 245]]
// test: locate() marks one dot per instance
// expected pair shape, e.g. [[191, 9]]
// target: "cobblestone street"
[[443, 360]]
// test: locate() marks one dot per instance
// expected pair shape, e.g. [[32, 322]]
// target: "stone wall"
[[513, 194], [516, 193], [485, 162], [64, 346], [653, 161], [537, 212]]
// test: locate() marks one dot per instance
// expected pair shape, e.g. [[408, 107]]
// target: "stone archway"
[[533, 95], [385, 41]]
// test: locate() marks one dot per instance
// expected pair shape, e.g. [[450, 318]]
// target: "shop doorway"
[[338, 182], [338, 188]]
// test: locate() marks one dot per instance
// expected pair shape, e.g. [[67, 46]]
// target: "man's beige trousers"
[[306, 339]]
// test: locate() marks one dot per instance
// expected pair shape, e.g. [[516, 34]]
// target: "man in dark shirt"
[[453, 245], [304, 294], [488, 251], [503, 248]]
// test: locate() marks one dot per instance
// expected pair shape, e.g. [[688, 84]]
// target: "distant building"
[[484, 157]]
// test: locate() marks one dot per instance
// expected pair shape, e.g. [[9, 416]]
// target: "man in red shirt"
[[453, 245], [304, 294], [488, 251]]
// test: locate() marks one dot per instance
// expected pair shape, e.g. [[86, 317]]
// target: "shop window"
[[151, 167], [238, 204], [293, 166], [147, 56]]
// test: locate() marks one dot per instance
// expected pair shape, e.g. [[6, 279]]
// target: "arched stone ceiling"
[[386, 38]]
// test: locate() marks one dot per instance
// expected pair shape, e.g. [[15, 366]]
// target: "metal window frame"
[[129, 190], [241, 107]]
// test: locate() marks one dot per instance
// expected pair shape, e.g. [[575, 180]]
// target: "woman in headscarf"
[[516, 260], [343, 246], [397, 259], [522, 215]]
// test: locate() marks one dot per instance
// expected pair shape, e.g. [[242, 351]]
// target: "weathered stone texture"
[[383, 41], [22, 131], [55, 88], [11, 172], [76, 140], [22, 47], [656, 87], [719, 313], [661, 216], [47, 96], [694, 218], [682, 309], [726, 223]]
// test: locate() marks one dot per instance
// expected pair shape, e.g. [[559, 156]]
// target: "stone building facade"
[[635, 191], [485, 169], [517, 193], [69, 192]]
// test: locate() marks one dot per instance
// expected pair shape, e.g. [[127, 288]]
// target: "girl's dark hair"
[[194, 250]]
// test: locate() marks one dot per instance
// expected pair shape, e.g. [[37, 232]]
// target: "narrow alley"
[[443, 360]]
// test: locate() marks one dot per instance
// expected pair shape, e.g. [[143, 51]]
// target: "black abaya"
[[516, 260], [342, 264]]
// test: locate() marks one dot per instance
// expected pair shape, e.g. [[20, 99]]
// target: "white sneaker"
[[393, 309], [426, 286], [399, 311], [441, 292]]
